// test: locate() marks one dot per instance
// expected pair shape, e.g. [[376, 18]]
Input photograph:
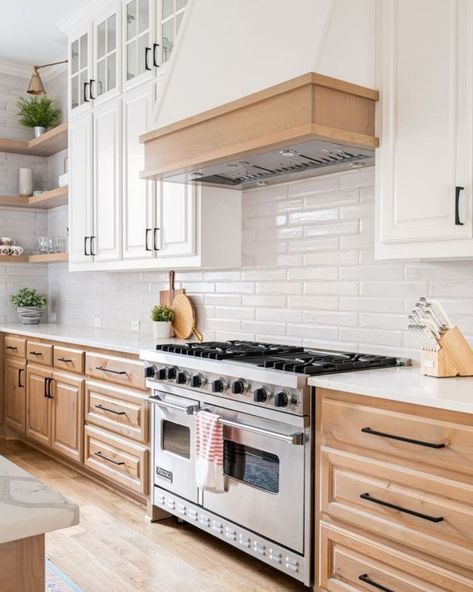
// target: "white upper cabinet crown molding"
[[425, 129]]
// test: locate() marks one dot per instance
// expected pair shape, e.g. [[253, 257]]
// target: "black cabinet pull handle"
[[12, 347], [155, 55], [108, 370], [101, 455], [99, 406], [33, 353], [458, 190], [93, 241], [86, 238], [155, 239], [91, 81], [403, 439], [20, 370], [147, 50], [374, 500], [47, 388], [148, 230], [86, 100], [65, 360], [367, 580]]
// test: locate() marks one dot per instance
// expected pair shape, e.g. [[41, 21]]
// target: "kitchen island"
[[28, 509]]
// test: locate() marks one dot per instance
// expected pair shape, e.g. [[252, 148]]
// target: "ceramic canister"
[[25, 182]]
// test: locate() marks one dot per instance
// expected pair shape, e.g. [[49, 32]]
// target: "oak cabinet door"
[[67, 415], [38, 409], [15, 393]]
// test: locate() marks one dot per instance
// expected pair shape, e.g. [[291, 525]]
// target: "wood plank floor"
[[114, 549]]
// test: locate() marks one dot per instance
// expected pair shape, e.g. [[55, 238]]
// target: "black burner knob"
[[281, 399], [197, 380], [218, 385], [260, 394], [238, 387], [150, 371], [181, 377], [162, 374], [171, 373]]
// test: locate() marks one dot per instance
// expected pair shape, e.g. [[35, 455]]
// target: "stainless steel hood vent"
[[295, 161], [311, 125]]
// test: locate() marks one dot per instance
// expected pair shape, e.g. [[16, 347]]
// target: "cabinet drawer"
[[15, 346], [115, 369], [352, 563], [118, 459], [69, 359], [435, 444], [407, 506], [40, 353], [119, 410]]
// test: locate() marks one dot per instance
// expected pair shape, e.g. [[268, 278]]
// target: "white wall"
[[308, 277]]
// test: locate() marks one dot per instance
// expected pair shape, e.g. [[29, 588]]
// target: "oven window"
[[176, 439], [252, 466]]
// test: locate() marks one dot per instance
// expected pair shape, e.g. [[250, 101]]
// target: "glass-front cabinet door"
[[80, 53], [107, 56], [140, 50], [169, 22]]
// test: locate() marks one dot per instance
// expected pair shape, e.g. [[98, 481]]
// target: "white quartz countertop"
[[121, 341], [404, 384], [28, 507]]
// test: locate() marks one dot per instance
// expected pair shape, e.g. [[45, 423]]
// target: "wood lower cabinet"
[[67, 415], [15, 393], [394, 508], [38, 415]]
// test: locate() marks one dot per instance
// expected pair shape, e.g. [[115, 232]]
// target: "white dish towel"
[[209, 452]]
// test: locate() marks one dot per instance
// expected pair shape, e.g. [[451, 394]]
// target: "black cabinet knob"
[[238, 387], [281, 399], [260, 394], [197, 381], [218, 385]]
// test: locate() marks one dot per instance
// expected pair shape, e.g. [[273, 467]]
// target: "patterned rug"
[[56, 581]]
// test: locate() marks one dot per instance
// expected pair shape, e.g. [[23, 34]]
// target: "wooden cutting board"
[[167, 296], [184, 320]]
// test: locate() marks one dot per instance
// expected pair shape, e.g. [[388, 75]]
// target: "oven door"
[[174, 444], [264, 478]]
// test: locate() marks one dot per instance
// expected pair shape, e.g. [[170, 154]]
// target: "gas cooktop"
[[288, 358]]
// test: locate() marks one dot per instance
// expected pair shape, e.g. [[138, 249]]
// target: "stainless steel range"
[[260, 392]]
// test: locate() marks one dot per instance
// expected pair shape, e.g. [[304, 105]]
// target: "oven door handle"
[[189, 409], [296, 438]]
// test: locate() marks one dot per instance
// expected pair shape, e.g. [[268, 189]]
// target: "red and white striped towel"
[[209, 451]]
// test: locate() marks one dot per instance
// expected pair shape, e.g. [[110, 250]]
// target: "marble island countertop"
[[28, 507], [121, 341], [404, 384]]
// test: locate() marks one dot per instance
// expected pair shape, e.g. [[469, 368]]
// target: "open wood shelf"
[[38, 258], [48, 199], [52, 141]]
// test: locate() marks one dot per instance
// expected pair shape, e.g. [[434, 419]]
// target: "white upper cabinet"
[[80, 188], [107, 56], [169, 19], [140, 48], [139, 195], [106, 239], [177, 204], [80, 69], [424, 163]]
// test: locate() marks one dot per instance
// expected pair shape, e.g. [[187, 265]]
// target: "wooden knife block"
[[454, 358]]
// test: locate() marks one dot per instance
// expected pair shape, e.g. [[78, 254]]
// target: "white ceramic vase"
[[162, 329], [25, 182], [30, 315]]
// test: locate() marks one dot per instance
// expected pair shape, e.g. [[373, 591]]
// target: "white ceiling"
[[28, 31]]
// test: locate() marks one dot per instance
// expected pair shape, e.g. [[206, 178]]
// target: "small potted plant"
[[38, 113], [29, 305], [162, 317]]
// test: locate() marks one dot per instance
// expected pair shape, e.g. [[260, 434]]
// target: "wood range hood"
[[310, 125]]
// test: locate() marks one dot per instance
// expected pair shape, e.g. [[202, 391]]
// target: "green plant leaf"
[[28, 297], [162, 313], [38, 112]]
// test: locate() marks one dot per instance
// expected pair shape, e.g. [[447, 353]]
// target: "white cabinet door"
[[169, 18], [106, 240], [80, 188], [107, 56], [139, 195], [425, 77], [80, 70], [140, 50], [177, 219]]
